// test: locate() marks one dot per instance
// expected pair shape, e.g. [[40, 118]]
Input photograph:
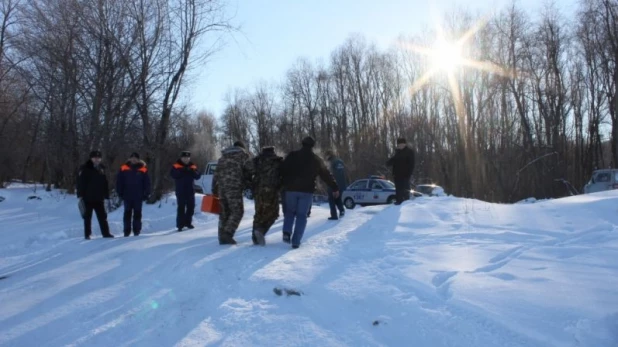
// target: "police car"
[[370, 191]]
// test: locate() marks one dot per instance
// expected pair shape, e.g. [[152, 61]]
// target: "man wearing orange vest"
[[184, 173], [133, 187]]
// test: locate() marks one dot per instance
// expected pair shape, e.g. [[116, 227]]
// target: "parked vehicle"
[[429, 190], [602, 180], [375, 190], [204, 185]]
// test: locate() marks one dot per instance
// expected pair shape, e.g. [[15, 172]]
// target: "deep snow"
[[438, 271]]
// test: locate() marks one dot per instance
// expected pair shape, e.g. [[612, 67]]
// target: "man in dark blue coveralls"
[[184, 173], [133, 187]]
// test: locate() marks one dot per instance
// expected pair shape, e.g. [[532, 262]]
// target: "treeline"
[[79, 75], [108, 74], [546, 117]]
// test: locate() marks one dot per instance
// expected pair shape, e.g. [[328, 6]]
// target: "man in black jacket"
[[299, 172], [403, 165], [93, 189]]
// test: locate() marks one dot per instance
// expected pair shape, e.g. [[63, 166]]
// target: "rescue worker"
[[93, 189], [337, 168], [133, 187], [402, 163], [228, 183], [300, 170], [184, 173], [265, 173]]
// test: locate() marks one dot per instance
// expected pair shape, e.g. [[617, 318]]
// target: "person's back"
[[265, 170], [229, 176], [300, 170], [228, 183], [403, 166], [337, 168], [403, 162]]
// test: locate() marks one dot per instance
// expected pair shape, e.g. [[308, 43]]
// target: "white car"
[[429, 190], [374, 190], [204, 184]]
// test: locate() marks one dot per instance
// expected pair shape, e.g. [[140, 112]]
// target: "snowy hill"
[[432, 272]]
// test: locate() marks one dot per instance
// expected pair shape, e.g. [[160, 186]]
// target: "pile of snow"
[[431, 272], [531, 200]]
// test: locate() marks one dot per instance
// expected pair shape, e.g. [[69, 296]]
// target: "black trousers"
[[186, 209], [132, 216], [99, 208], [402, 190]]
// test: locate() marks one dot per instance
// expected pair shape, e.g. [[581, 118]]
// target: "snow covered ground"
[[433, 272]]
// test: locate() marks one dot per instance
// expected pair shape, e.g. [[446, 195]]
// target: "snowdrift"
[[438, 271]]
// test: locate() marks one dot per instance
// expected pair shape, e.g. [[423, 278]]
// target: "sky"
[[274, 34]]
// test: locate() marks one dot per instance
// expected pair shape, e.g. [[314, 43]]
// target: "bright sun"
[[446, 56]]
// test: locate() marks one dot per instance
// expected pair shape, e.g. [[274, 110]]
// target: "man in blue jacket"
[[337, 168], [133, 187], [184, 173]]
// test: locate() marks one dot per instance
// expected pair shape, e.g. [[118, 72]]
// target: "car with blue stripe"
[[374, 190]]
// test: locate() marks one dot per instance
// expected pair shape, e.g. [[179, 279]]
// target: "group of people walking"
[[275, 181]]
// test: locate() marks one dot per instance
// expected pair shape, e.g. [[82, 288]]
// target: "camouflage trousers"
[[266, 209], [232, 210]]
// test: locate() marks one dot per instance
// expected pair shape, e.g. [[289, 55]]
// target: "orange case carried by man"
[[210, 204]]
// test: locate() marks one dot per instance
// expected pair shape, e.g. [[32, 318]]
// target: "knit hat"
[[239, 144], [268, 149], [308, 142], [401, 140], [134, 155], [185, 154], [95, 154]]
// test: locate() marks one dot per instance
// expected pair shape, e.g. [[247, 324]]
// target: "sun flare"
[[446, 56]]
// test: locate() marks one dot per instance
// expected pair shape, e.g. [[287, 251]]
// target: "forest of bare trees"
[[538, 110], [546, 117], [79, 75]]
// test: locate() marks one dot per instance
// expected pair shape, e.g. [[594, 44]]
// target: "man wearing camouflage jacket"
[[265, 173], [228, 184]]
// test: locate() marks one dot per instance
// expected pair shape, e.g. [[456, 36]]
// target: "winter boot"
[[226, 240], [108, 236], [286, 237], [127, 233], [259, 237], [190, 226]]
